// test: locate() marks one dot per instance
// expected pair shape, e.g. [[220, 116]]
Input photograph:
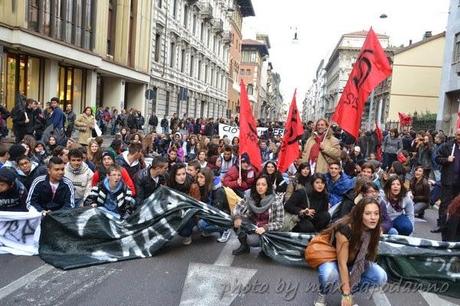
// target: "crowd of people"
[[336, 180]]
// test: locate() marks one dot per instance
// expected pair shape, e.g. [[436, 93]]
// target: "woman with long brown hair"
[[356, 239], [94, 152]]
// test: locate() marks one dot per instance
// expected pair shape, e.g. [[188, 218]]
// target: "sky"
[[320, 25]]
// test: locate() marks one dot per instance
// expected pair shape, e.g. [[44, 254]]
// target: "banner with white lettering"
[[19, 232], [234, 131]]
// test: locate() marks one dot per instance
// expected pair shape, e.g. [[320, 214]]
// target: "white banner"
[[234, 131], [19, 232]]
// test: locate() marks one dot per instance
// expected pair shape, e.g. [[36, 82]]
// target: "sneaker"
[[187, 240], [320, 300], [225, 236]]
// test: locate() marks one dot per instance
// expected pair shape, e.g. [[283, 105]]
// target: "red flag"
[[371, 68], [404, 119], [293, 131], [249, 141], [379, 134]]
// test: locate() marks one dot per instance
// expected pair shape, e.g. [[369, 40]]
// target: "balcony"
[[217, 25], [227, 37], [205, 10]]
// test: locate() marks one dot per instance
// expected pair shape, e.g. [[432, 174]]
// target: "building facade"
[[234, 37], [87, 53], [339, 67], [254, 55], [313, 109], [416, 78], [190, 54], [449, 93]]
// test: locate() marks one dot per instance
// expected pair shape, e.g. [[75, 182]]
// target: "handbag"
[[320, 250]]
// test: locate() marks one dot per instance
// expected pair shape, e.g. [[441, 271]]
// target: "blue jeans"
[[187, 230], [329, 278], [208, 228], [401, 226]]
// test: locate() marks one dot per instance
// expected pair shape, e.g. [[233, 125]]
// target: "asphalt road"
[[204, 273]]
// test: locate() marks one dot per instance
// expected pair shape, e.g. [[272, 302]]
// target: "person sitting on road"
[[53, 191], [276, 179], [216, 198], [27, 171], [338, 183], [150, 179], [180, 181], [131, 160], [311, 206], [80, 175], [356, 239], [420, 190], [261, 208], [13, 194], [302, 180], [109, 160], [112, 195], [397, 208], [248, 176], [368, 172]]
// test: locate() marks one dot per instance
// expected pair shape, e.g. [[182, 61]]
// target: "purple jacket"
[[386, 222]]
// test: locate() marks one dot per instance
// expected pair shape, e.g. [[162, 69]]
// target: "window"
[[174, 8], [186, 12], [33, 15], [157, 47], [199, 70], [212, 77], [242, 72], [250, 89], [159, 3], [111, 28], [456, 58], [214, 45], [208, 37], [192, 64], [206, 73], [182, 60], [76, 22], [248, 56], [167, 103], [194, 21], [202, 31], [172, 54]]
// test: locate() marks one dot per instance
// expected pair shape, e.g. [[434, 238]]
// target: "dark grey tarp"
[[88, 236]]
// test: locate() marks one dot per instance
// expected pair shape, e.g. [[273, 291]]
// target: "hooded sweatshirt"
[[132, 169], [81, 179], [35, 171]]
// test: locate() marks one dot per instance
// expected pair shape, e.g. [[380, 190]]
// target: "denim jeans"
[[329, 277], [401, 226], [187, 230], [208, 228]]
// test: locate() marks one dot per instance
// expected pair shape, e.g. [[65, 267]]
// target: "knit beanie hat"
[[7, 176]]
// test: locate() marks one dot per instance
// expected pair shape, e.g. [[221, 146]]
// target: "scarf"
[[395, 204], [315, 149], [264, 204], [360, 261]]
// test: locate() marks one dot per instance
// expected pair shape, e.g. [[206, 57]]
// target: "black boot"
[[244, 247]]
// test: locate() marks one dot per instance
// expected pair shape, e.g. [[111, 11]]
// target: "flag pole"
[[240, 167]]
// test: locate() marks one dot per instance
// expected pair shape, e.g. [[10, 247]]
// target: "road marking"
[[24, 280], [380, 299], [433, 299], [216, 284]]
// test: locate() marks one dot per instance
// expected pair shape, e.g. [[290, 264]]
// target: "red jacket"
[[124, 176], [248, 178]]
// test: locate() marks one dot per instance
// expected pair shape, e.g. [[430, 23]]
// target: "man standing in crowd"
[[53, 191], [70, 120], [164, 124], [449, 159], [153, 122], [321, 148]]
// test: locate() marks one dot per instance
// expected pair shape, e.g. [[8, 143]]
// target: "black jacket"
[[27, 179], [298, 201], [132, 169], [145, 185], [41, 195], [448, 175], [14, 199]]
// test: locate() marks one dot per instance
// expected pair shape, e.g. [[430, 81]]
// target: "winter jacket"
[[132, 169], [248, 178], [337, 189], [41, 195], [275, 213], [420, 190], [98, 177], [57, 118], [81, 179], [15, 198], [298, 201], [423, 157], [391, 145], [35, 171], [331, 152], [84, 125], [119, 201], [146, 185], [226, 165], [449, 177], [389, 213]]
